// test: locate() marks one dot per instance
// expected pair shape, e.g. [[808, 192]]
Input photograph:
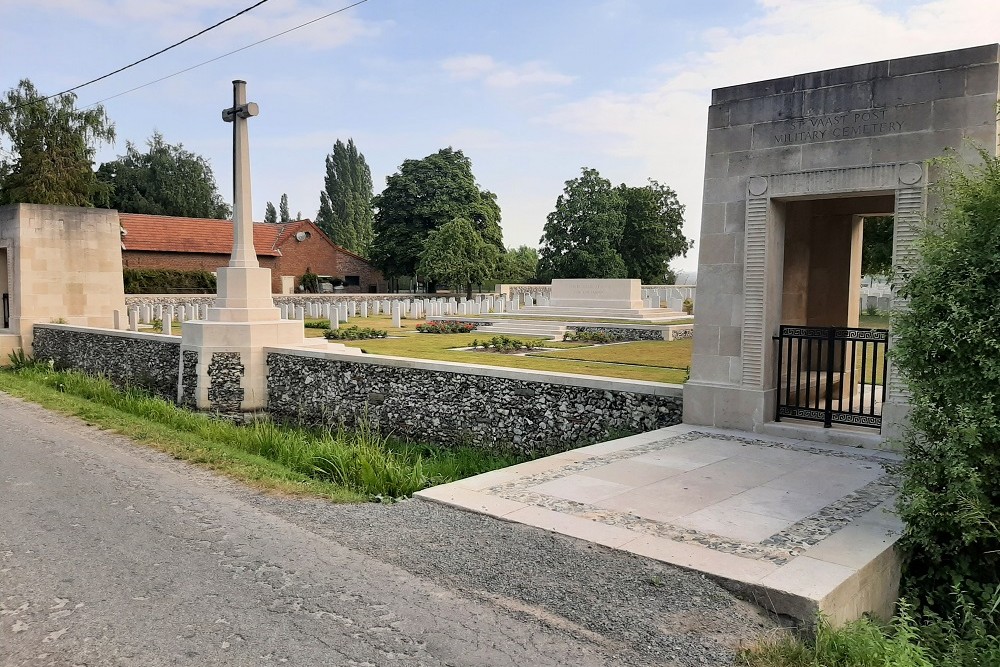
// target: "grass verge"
[[343, 466], [928, 641]]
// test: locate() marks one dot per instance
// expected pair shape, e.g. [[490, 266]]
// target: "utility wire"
[[141, 60], [226, 55]]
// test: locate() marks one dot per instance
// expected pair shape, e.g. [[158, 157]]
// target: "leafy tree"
[[165, 180], [876, 247], [283, 209], [583, 234], [653, 231], [420, 197], [270, 213], [47, 155], [345, 203], [456, 254], [519, 265], [948, 350]]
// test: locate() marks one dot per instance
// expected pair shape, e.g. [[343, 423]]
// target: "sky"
[[530, 90]]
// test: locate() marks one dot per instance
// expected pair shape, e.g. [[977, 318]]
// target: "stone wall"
[[449, 403], [150, 361], [636, 333]]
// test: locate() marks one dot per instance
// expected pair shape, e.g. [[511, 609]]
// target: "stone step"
[[533, 329], [592, 313]]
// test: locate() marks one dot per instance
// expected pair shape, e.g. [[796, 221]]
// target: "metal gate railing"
[[836, 375]]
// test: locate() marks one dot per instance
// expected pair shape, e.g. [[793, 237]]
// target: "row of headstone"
[[540, 298], [166, 314], [336, 312], [873, 302], [415, 308]]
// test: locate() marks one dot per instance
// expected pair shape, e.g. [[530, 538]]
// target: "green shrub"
[[310, 281], [506, 344], [446, 327], [688, 306], [588, 336], [948, 350], [20, 359], [168, 281], [354, 333], [317, 324]]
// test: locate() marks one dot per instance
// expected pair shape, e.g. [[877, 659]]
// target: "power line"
[[225, 55], [141, 60]]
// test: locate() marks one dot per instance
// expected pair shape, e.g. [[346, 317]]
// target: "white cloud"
[[659, 131], [494, 74]]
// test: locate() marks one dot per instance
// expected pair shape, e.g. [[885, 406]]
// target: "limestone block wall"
[[448, 403], [63, 263], [149, 361], [864, 131]]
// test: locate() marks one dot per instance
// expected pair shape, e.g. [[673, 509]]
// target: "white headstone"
[[364, 309], [395, 314], [353, 309], [133, 319], [181, 313], [167, 322], [335, 318]]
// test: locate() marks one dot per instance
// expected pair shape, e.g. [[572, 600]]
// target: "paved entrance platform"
[[795, 526]]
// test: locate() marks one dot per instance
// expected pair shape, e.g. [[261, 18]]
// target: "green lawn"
[[660, 354], [652, 361]]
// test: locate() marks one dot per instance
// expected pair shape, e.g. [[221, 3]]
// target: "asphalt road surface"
[[111, 554]]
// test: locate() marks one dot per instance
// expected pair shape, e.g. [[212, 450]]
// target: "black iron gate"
[[836, 375]]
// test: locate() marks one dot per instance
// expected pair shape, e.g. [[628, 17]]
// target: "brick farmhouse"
[[289, 249]]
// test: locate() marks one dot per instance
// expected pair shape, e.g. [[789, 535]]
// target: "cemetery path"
[[112, 554]]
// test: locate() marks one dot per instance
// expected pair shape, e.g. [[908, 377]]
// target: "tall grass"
[[362, 459], [906, 641]]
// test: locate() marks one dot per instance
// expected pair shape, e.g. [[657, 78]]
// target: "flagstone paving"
[[768, 515]]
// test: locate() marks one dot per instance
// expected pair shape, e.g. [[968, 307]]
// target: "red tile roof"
[[164, 233]]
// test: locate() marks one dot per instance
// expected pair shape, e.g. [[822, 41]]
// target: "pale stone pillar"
[[230, 372]]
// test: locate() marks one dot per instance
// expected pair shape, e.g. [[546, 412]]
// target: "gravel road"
[[112, 554]]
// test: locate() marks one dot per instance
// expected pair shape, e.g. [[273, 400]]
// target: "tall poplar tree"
[[285, 216], [47, 149], [345, 203]]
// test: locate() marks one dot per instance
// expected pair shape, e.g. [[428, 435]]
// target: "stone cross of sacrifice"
[[244, 254]]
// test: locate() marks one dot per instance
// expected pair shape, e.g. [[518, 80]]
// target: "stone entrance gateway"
[[793, 166]]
